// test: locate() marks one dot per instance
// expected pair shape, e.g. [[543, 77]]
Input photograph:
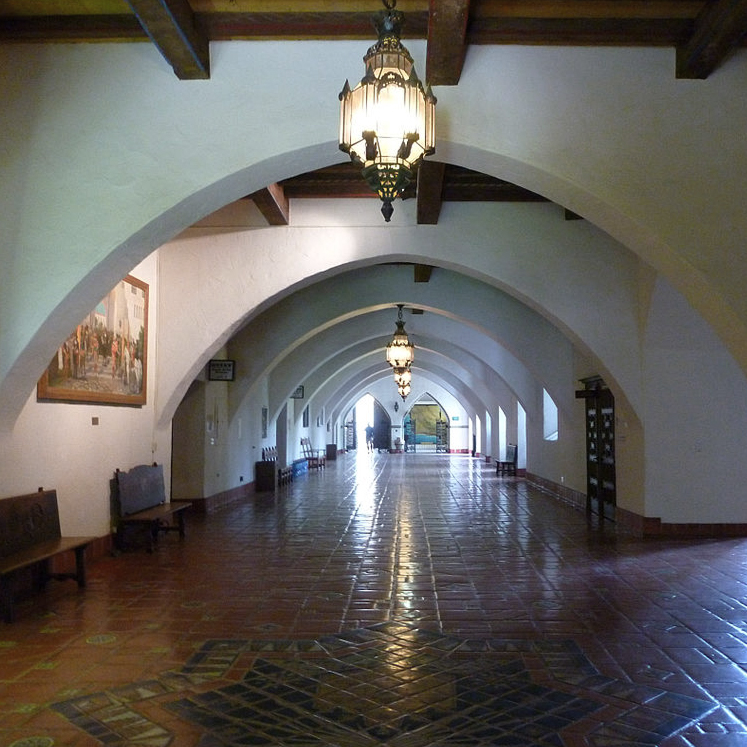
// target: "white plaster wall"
[[696, 415], [55, 445], [215, 449], [244, 441], [96, 174], [188, 445], [110, 147], [563, 461], [212, 283]]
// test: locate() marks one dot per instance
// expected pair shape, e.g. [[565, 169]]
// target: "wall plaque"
[[221, 370]]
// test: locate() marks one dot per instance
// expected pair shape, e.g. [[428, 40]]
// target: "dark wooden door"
[[382, 426], [601, 491]]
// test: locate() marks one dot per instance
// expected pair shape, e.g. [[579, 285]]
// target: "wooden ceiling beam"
[[273, 204], [422, 274], [171, 26], [627, 32], [447, 30], [72, 28], [430, 186], [719, 29]]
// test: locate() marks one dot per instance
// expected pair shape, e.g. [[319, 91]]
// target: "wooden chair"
[[315, 458], [508, 466]]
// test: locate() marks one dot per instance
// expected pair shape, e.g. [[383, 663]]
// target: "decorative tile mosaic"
[[390, 684]]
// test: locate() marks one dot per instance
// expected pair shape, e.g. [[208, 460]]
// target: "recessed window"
[[550, 417]]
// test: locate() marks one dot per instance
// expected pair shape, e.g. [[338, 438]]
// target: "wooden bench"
[[508, 465], [29, 538], [140, 501], [284, 474], [316, 458]]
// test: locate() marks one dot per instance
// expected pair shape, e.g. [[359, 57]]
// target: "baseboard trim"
[[641, 526]]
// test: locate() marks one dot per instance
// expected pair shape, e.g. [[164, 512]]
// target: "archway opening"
[[364, 419], [426, 426]]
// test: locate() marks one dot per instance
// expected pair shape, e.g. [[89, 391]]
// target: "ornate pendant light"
[[403, 377], [400, 352], [387, 122]]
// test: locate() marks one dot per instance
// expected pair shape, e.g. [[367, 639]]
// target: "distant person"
[[369, 437]]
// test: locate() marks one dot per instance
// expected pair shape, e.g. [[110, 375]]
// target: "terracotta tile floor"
[[389, 600]]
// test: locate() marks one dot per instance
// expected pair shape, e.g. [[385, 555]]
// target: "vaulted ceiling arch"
[[329, 321], [462, 352], [172, 179], [346, 392]]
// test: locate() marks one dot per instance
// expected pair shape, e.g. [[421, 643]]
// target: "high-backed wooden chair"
[[315, 458]]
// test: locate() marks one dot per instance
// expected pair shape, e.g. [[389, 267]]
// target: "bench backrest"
[[140, 488], [27, 520]]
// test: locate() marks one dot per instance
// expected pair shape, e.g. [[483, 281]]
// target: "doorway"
[[426, 427], [368, 412]]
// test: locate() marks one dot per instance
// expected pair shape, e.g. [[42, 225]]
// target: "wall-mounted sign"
[[221, 370], [298, 394], [455, 417]]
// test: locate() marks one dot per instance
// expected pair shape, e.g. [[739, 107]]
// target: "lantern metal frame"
[[387, 122], [400, 352]]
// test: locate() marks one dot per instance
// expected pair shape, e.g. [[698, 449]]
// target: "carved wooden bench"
[[140, 501], [29, 538]]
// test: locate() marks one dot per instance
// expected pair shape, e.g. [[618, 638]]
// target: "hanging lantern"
[[400, 352], [403, 390], [403, 379], [387, 122], [402, 376]]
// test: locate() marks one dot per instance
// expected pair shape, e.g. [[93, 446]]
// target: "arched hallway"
[[389, 599]]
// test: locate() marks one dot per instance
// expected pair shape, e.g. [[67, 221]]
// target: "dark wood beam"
[[422, 274], [719, 29], [273, 204], [447, 29], [73, 28], [627, 32], [353, 24], [430, 184], [171, 26]]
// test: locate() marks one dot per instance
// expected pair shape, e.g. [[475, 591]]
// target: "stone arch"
[[83, 256]]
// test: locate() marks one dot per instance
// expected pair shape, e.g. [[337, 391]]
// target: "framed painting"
[[104, 359]]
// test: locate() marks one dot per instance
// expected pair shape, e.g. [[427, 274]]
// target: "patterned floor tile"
[[392, 601], [390, 684]]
